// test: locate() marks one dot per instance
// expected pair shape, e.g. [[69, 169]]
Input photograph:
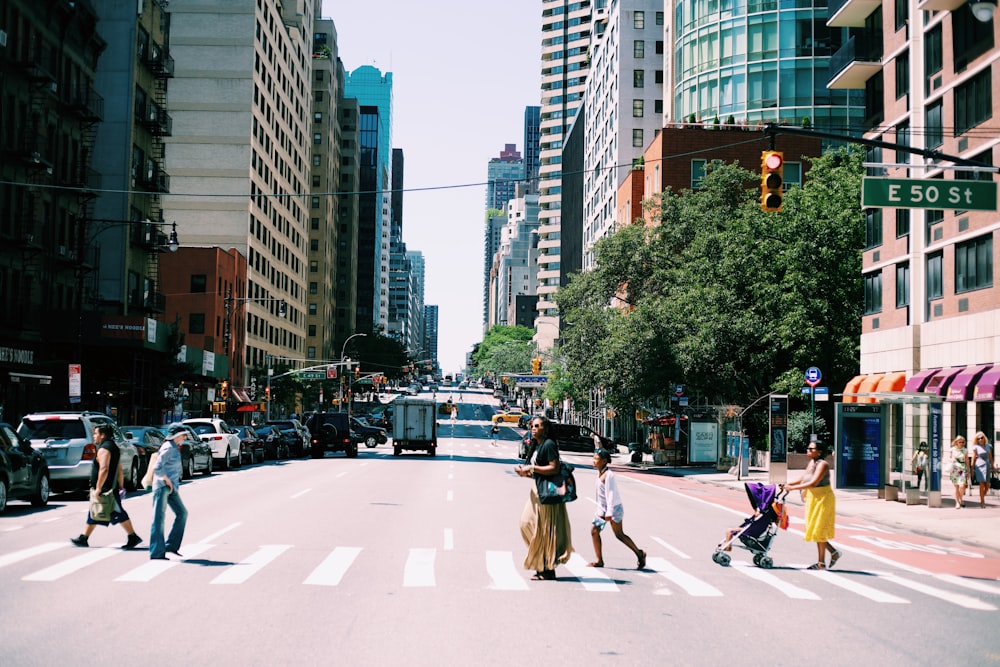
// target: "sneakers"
[[80, 541], [133, 541], [175, 552]]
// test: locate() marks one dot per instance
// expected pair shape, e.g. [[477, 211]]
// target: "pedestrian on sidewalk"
[[980, 464], [821, 505], [106, 475], [609, 508], [959, 471], [545, 529], [919, 464], [166, 491]]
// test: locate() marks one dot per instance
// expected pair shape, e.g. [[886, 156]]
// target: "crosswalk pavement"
[[670, 573]]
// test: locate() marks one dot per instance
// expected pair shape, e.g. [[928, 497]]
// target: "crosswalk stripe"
[[691, 584], [24, 554], [504, 575], [331, 571], [67, 567], [974, 584], [770, 579], [419, 570], [249, 566], [677, 552], [856, 587], [939, 593], [591, 577], [153, 568]]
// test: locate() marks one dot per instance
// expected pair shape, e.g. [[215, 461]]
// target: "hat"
[[174, 431]]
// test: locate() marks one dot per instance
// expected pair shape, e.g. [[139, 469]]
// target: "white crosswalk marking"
[[249, 566], [974, 584], [770, 579], [153, 568], [849, 584], [67, 567], [24, 554], [592, 578], [691, 584], [504, 575], [419, 570], [677, 552], [940, 593], [332, 570]]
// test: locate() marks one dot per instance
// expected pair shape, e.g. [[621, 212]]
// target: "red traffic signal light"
[[772, 181]]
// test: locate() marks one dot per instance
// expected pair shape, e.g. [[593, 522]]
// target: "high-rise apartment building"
[[431, 334], [347, 119], [566, 27], [503, 174], [239, 158], [418, 272], [532, 121], [514, 270]]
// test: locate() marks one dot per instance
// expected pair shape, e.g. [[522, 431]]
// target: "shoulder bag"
[[560, 488], [147, 479], [101, 505]]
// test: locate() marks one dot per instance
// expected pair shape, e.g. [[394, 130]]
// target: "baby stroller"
[[757, 532]]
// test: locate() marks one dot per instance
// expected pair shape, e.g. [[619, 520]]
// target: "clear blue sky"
[[462, 74]]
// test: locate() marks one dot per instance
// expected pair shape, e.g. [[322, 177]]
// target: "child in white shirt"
[[609, 508]]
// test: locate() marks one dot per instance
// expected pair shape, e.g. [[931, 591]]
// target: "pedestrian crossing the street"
[[666, 574]]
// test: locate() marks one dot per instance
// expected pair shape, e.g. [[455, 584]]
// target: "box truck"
[[414, 425]]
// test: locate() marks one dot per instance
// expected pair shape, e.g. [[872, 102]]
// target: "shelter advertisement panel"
[[859, 445]]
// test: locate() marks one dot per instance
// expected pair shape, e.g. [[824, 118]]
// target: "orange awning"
[[868, 386], [851, 388], [891, 382]]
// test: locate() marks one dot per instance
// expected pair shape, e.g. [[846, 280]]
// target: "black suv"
[[331, 431], [372, 436], [571, 438]]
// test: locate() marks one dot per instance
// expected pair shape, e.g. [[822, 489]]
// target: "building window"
[[903, 139], [199, 283], [314, 288], [637, 138], [932, 124], [935, 279], [312, 309], [659, 47], [313, 266], [902, 13], [314, 245], [318, 96], [970, 37], [637, 108], [697, 173], [658, 76], [639, 20], [316, 160], [933, 57], [319, 74], [974, 264], [659, 18], [317, 139], [638, 49], [873, 227], [312, 330], [973, 102], [196, 323], [902, 74], [932, 217], [873, 293], [318, 117], [316, 180], [638, 78], [315, 202], [902, 285], [792, 173], [311, 352], [902, 222]]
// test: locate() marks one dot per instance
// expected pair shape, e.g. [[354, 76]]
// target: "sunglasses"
[[811, 449]]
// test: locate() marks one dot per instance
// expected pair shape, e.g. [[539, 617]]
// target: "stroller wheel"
[[766, 562], [756, 560], [721, 558]]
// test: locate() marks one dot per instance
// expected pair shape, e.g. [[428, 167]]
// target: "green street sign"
[[312, 375], [930, 193]]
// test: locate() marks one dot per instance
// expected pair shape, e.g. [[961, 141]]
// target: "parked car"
[[372, 436], [276, 445], [146, 440], [523, 421], [296, 434], [220, 437], [571, 438], [24, 474], [511, 416], [251, 445], [196, 454], [66, 440], [331, 431]]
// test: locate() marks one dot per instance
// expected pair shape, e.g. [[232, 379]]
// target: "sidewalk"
[[972, 525]]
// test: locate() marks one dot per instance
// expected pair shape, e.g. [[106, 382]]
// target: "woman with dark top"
[[544, 528]]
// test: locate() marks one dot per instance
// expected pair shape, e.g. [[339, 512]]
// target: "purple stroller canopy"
[[761, 495]]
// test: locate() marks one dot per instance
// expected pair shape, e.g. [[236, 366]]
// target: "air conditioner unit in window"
[[62, 251], [3, 38]]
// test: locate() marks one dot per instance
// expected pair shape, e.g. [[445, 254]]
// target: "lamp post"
[[343, 349]]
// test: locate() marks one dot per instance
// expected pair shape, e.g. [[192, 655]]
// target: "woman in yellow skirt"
[[821, 505], [544, 528]]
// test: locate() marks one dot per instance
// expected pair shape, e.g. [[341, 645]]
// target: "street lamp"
[[343, 370]]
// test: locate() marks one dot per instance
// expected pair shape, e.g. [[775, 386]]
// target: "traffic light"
[[536, 366], [357, 371], [267, 393], [772, 180], [224, 390]]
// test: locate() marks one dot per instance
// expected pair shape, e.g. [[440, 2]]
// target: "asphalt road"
[[415, 560]]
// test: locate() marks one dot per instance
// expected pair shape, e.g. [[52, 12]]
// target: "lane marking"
[[844, 582], [332, 570], [449, 539], [592, 578], [450, 495], [691, 584], [71, 565], [419, 570], [154, 568], [249, 566], [974, 584], [300, 494], [24, 554], [762, 576], [939, 593], [504, 575], [678, 552]]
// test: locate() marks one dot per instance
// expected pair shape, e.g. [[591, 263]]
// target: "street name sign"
[[929, 193], [312, 375]]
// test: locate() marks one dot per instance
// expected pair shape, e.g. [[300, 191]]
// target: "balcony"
[[85, 103], [850, 13], [858, 60], [155, 180], [155, 302], [86, 179], [157, 121], [159, 62]]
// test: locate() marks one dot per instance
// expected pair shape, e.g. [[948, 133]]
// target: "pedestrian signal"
[[772, 181]]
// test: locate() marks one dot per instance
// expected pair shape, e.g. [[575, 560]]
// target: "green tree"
[[505, 349]]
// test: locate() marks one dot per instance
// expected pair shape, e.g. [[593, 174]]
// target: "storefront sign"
[[13, 355]]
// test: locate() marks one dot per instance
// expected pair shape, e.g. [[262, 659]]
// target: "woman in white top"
[[980, 464], [609, 508]]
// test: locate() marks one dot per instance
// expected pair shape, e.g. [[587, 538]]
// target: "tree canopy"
[[505, 349]]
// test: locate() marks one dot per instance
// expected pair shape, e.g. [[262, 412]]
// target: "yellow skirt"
[[821, 511], [546, 531]]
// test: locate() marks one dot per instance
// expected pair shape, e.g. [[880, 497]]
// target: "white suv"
[[66, 440], [224, 441]]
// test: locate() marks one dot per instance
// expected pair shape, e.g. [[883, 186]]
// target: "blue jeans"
[[161, 498]]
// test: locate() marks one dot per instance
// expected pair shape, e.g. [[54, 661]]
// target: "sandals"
[[834, 557], [599, 563], [642, 560], [816, 566], [544, 575]]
